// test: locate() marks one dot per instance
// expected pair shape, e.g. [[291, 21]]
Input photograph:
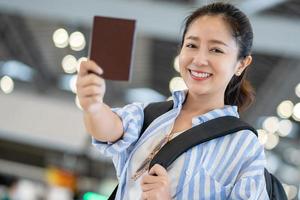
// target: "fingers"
[[156, 186], [156, 194], [151, 196], [90, 91], [149, 187], [149, 179], [89, 66], [149, 182], [156, 174], [90, 85], [158, 170], [159, 180], [89, 79], [146, 195]]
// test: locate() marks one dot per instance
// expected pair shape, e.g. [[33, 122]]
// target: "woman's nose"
[[200, 58]]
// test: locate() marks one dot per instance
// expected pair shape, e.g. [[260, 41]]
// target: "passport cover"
[[112, 44]]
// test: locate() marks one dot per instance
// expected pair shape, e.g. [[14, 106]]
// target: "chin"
[[198, 91]]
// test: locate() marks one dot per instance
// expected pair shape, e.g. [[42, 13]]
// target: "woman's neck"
[[200, 104]]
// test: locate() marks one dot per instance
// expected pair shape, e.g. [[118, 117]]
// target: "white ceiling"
[[164, 19]]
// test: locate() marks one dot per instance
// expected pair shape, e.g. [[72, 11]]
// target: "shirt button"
[[188, 172]]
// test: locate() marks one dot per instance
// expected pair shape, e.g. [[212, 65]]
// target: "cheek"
[[228, 72], [182, 61], [226, 66]]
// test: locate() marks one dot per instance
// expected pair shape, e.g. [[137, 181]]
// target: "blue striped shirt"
[[230, 167]]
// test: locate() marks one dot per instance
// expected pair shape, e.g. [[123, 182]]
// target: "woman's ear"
[[243, 64]]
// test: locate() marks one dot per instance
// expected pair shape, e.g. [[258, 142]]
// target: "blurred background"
[[45, 152]]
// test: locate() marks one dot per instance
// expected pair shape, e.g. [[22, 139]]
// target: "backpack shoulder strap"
[[274, 187], [209, 130], [153, 111]]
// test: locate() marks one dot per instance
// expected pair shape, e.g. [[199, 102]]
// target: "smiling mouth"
[[199, 75]]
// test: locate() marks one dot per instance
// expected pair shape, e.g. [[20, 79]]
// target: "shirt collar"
[[227, 110], [179, 97]]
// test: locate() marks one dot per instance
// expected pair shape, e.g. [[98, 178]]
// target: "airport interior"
[[45, 150]]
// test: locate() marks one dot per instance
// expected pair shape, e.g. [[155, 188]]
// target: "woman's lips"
[[199, 75]]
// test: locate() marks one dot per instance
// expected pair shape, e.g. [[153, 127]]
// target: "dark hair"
[[239, 90]]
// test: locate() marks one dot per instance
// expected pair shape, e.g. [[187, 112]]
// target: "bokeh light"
[[77, 41], [296, 112], [285, 127], [285, 109], [72, 84], [7, 84], [60, 38], [262, 136], [177, 83], [176, 64], [69, 64], [297, 90], [271, 124], [272, 141]]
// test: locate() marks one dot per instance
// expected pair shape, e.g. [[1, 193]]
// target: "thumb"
[[158, 170]]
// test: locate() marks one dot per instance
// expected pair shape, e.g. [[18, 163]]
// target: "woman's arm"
[[103, 124]]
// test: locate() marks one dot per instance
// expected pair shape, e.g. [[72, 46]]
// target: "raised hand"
[[90, 86]]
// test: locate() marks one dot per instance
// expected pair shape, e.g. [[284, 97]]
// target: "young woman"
[[214, 56]]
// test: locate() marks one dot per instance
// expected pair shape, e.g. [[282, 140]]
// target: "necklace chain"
[[146, 163]]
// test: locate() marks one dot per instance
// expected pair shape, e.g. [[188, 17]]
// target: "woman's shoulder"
[[244, 133], [238, 145], [245, 141], [245, 136]]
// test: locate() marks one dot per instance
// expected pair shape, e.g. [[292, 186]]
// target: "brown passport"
[[112, 45]]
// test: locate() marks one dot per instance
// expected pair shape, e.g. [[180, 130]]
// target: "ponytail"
[[239, 92]]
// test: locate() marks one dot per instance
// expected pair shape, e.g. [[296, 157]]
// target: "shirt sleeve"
[[251, 183], [132, 117]]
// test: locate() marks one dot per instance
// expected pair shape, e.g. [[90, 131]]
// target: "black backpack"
[[211, 129]]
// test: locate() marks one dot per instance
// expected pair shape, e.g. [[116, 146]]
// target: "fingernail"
[[100, 70]]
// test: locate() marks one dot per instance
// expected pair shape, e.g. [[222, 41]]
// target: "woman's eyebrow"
[[218, 42], [191, 37]]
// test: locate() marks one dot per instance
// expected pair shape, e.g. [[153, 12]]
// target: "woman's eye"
[[190, 45], [216, 50]]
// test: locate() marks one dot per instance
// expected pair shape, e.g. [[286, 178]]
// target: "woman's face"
[[208, 57]]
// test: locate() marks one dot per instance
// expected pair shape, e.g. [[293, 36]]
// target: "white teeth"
[[200, 75]]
